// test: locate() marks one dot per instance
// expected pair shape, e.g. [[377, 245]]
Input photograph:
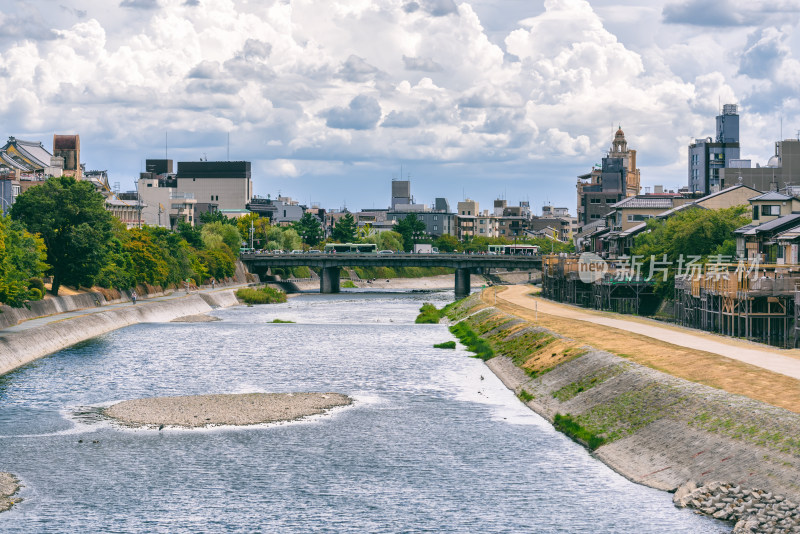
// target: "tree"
[[215, 216], [447, 243], [345, 229], [692, 232], [22, 257], [386, 241], [410, 228], [190, 233], [216, 234], [260, 226], [309, 229], [71, 218]]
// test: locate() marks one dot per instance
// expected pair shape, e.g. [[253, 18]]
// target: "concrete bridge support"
[[462, 283], [329, 281]]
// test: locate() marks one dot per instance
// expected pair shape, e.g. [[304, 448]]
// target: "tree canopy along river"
[[433, 442]]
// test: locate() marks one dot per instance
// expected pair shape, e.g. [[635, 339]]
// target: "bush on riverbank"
[[470, 339], [264, 295], [428, 314], [281, 321], [348, 284], [569, 426], [445, 345]]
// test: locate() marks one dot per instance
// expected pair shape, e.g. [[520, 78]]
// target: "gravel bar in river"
[[230, 409]]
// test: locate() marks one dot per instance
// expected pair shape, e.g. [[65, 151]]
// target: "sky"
[[332, 99]]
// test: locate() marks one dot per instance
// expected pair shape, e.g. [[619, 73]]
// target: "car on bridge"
[[385, 252]]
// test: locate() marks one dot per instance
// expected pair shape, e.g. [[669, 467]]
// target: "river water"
[[433, 443]]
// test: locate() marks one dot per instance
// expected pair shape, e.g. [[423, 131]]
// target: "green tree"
[[447, 243], [22, 257], [215, 216], [215, 234], [410, 228], [309, 229], [71, 218], [692, 232], [260, 226], [345, 229], [190, 233], [386, 241]]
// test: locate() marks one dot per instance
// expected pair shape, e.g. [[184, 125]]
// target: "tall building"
[[401, 193], [68, 147], [619, 149], [707, 157], [615, 178], [781, 171], [225, 183]]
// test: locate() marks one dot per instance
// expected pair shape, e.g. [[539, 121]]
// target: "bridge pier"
[[329, 281], [462, 283]]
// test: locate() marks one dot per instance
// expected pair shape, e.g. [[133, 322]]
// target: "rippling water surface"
[[434, 442]]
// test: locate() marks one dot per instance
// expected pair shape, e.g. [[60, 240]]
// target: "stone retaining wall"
[[659, 430], [20, 348]]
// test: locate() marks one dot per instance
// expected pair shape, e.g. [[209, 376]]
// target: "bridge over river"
[[330, 264]]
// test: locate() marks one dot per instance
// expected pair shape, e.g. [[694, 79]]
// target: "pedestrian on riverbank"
[[133, 297]]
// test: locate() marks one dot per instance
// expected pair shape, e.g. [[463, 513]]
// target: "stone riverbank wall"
[[20, 348], [728, 456]]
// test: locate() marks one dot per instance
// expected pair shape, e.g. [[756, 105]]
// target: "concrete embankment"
[[652, 427], [20, 348]]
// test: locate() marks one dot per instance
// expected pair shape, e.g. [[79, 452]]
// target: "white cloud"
[[312, 81]]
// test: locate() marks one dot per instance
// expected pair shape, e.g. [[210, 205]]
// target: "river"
[[433, 443]]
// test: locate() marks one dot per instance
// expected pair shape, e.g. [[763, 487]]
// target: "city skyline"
[[328, 100]]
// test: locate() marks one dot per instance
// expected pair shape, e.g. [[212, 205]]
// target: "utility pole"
[[252, 231]]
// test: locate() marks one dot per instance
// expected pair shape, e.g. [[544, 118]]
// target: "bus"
[[351, 248], [514, 250]]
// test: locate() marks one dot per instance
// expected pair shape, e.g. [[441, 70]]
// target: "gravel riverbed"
[[229, 409], [9, 485]]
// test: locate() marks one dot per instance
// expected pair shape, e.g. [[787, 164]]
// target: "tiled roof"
[[678, 209], [772, 195], [633, 230], [644, 202], [36, 151], [726, 190], [787, 221]]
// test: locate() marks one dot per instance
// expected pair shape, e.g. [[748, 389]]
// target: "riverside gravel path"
[[784, 362]]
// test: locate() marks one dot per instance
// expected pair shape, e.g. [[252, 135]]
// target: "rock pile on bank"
[[210, 410], [9, 485], [753, 510]]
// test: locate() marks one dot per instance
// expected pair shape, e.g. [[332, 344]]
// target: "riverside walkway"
[[785, 362]]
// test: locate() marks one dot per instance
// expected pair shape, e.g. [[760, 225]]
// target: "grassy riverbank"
[[654, 428]]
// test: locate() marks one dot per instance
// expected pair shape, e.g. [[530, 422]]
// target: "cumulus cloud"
[[79, 13], [356, 69], [306, 81], [363, 113], [704, 13], [421, 64], [764, 52], [140, 4], [440, 8], [400, 119]]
